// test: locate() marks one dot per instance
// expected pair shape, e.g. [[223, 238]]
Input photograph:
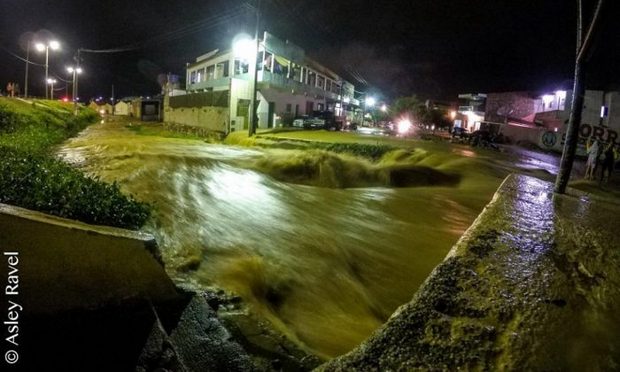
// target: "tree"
[[406, 106]]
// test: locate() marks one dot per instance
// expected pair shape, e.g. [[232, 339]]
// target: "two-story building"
[[289, 84]]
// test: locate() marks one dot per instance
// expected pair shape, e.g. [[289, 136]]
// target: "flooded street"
[[326, 266]]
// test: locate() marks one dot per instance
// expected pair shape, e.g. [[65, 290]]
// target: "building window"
[[289, 107], [604, 111], [309, 107], [241, 67], [200, 75], [260, 60], [268, 62], [210, 73], [280, 65], [320, 81], [328, 85], [320, 107], [221, 70], [295, 72], [311, 78], [192, 77]]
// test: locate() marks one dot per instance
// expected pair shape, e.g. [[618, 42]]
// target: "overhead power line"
[[20, 58], [210, 22]]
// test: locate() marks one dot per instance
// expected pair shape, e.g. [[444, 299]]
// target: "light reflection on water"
[[327, 266]]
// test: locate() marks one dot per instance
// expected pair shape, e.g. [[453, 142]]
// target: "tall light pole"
[[245, 49], [51, 82], [54, 45], [368, 102], [74, 71], [27, 65], [254, 122]]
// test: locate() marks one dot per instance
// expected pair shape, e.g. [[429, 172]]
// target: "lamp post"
[[54, 45], [51, 82], [74, 71], [368, 102], [246, 49], [27, 65]]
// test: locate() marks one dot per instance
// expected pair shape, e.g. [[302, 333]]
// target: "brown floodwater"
[[325, 265]]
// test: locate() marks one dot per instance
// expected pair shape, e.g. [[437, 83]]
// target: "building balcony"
[[210, 84], [277, 81]]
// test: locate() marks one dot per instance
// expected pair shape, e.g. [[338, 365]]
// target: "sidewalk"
[[532, 285]]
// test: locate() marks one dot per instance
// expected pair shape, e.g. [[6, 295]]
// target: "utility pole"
[[572, 132], [27, 65], [75, 83], [253, 105]]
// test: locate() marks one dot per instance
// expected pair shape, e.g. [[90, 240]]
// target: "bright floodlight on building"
[[244, 47], [370, 101], [384, 108]]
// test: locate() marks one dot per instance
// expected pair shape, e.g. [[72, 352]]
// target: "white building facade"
[[289, 84]]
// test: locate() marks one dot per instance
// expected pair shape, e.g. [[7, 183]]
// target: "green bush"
[[30, 177], [51, 186]]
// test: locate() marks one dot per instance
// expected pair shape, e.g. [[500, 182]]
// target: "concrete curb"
[[504, 295]]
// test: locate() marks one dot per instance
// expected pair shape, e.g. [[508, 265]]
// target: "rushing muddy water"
[[325, 265]]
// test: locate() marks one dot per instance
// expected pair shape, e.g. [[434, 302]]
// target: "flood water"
[[326, 266]]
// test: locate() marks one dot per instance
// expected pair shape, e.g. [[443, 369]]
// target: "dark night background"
[[433, 48]]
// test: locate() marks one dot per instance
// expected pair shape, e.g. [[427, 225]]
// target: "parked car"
[[375, 131], [460, 135], [332, 122], [308, 122]]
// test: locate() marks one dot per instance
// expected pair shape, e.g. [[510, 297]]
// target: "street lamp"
[[246, 50], [54, 45], [27, 66], [74, 71], [51, 82], [368, 102]]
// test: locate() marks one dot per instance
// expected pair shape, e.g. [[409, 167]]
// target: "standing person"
[[593, 154], [9, 89], [609, 160]]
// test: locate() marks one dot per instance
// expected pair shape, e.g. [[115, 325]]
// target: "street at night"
[[241, 186]]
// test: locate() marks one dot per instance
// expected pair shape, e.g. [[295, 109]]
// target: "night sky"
[[432, 48]]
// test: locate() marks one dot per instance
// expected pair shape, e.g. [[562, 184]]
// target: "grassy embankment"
[[31, 177]]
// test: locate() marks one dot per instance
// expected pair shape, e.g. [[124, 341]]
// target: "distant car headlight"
[[404, 126]]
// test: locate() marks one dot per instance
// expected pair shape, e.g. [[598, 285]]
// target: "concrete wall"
[[209, 118], [64, 264], [122, 108]]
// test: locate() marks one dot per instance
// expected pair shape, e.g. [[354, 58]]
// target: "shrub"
[[51, 186], [31, 178]]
